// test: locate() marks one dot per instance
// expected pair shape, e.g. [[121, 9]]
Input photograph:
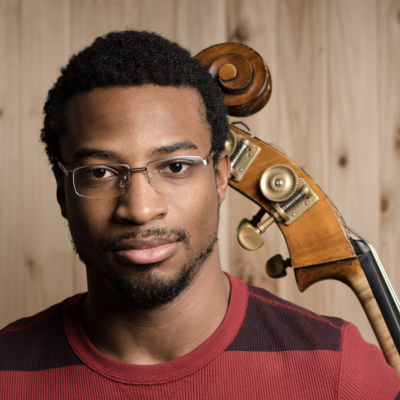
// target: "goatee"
[[148, 289]]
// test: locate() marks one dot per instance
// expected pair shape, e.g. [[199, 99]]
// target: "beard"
[[151, 290], [148, 289]]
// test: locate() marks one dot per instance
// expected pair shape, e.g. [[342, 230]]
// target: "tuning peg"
[[249, 236], [276, 266]]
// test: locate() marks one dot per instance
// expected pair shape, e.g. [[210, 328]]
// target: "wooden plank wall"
[[335, 109]]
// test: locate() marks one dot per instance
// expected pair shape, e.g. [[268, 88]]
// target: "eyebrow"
[[86, 152], [96, 153], [183, 145]]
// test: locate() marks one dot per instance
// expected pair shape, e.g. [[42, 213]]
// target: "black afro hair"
[[132, 58]]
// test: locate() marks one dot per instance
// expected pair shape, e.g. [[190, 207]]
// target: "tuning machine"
[[278, 183], [291, 198], [276, 266], [242, 152]]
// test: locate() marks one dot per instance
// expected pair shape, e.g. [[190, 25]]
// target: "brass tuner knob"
[[278, 183], [249, 236], [276, 266]]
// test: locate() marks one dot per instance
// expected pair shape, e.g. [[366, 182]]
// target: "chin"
[[149, 289]]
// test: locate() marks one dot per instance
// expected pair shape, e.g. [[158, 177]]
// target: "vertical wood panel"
[[48, 275], [12, 295], [354, 145], [389, 135]]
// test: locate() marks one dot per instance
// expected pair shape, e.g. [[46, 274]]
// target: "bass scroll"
[[320, 244]]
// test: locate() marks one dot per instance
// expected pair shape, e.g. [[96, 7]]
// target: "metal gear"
[[231, 142], [278, 183]]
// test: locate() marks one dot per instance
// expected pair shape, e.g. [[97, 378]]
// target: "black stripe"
[[273, 328], [41, 346]]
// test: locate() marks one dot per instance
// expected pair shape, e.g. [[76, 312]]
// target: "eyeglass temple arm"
[[63, 169], [207, 160]]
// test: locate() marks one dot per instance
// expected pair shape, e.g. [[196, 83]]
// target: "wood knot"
[[384, 204], [343, 161], [242, 32], [397, 139], [31, 264], [1, 112], [398, 16]]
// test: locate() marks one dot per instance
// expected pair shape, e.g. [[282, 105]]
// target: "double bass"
[[321, 245]]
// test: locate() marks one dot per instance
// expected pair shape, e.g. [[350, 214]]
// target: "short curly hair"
[[131, 58]]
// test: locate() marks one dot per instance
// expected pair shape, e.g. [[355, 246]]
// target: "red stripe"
[[233, 375]]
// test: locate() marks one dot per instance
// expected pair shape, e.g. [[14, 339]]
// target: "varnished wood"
[[317, 237], [251, 88], [227, 72], [350, 272]]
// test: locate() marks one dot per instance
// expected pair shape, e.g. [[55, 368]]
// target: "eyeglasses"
[[112, 180]]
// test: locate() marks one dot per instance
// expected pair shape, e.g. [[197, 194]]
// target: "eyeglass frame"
[[206, 161]]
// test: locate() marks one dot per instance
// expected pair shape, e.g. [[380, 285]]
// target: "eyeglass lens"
[[111, 180]]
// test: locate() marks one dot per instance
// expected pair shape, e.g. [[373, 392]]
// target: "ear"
[[222, 173], [60, 193]]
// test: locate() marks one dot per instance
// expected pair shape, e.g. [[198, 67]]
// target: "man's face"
[[146, 244]]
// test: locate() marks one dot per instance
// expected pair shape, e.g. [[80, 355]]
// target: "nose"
[[140, 204]]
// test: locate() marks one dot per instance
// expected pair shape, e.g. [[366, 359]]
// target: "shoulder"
[[324, 349], [36, 343], [363, 369], [273, 324]]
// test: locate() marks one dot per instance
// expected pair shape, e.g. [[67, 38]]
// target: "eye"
[[98, 172], [175, 167]]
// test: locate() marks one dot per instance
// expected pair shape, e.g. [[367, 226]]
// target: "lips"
[[146, 250]]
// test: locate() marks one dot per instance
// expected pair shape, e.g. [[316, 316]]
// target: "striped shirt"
[[265, 348]]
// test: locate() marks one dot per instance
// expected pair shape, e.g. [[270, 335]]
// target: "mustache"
[[179, 235]]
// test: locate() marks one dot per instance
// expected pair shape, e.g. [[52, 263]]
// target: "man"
[[135, 130]]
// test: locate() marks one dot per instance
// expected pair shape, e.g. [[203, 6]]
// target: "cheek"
[[88, 218], [196, 210]]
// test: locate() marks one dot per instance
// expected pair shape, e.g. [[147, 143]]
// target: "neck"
[[151, 335]]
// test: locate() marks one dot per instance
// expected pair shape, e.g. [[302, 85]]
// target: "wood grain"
[[388, 17], [316, 237], [12, 288], [48, 258], [353, 130], [249, 91]]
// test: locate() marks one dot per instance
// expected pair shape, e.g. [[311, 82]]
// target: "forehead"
[[134, 121]]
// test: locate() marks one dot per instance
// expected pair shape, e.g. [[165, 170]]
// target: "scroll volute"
[[241, 73]]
